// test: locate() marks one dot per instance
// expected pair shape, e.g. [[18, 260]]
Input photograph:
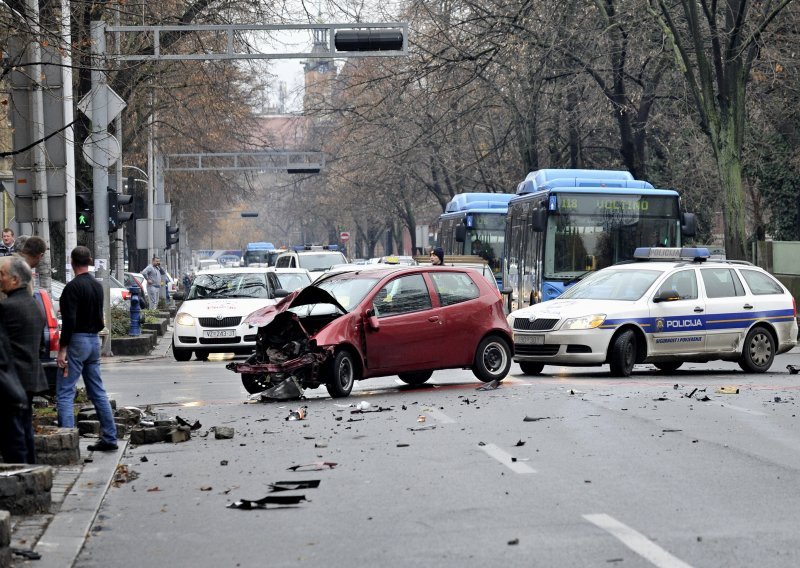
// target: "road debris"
[[421, 418], [278, 486], [535, 418], [704, 398], [519, 443], [123, 474], [489, 386], [672, 430], [363, 405], [793, 369], [513, 542], [316, 466], [297, 414], [421, 428], [691, 394], [379, 409], [264, 502], [25, 553], [223, 432], [727, 390], [192, 427], [289, 389]]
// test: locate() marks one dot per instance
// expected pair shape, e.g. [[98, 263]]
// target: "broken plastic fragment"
[[519, 443], [793, 369], [691, 394], [288, 389], [535, 418], [363, 405], [317, 466], [704, 398], [421, 428], [727, 390], [513, 541], [293, 485], [489, 386], [182, 422], [283, 500]]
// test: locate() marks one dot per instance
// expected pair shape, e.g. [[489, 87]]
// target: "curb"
[[64, 537]]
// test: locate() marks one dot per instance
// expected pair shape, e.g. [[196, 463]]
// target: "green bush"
[[121, 320]]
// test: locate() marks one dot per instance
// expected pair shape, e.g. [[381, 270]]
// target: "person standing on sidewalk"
[[7, 244], [79, 353], [152, 274], [23, 320]]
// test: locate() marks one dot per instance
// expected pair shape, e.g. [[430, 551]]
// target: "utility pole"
[[70, 229], [99, 107]]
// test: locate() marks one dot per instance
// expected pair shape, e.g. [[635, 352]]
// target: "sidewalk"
[[76, 495]]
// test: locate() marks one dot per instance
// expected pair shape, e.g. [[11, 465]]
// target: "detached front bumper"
[[304, 360]]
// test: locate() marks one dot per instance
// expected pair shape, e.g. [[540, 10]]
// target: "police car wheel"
[[623, 354], [668, 367], [181, 354], [417, 378], [342, 375], [759, 351], [531, 368], [492, 359]]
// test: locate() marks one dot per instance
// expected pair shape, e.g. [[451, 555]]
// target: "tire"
[[181, 355], [201, 355], [623, 354], [530, 368], [254, 383], [668, 367], [417, 378], [342, 376], [758, 352], [492, 359]]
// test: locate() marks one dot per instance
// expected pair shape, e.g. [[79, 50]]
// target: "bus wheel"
[[623, 354]]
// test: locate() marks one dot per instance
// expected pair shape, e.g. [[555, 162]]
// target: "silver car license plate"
[[210, 333], [529, 339]]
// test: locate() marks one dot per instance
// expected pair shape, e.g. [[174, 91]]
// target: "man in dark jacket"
[[79, 353], [24, 322]]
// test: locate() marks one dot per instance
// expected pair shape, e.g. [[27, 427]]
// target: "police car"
[[666, 307]]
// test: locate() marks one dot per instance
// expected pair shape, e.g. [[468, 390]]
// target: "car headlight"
[[584, 322], [184, 319]]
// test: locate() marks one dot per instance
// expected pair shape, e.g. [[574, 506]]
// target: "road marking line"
[[636, 541], [505, 459], [739, 408], [438, 415]]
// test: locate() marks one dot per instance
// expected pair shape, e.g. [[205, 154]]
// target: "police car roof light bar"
[[669, 253]]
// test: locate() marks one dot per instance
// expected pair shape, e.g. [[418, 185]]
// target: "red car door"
[[461, 312], [410, 328]]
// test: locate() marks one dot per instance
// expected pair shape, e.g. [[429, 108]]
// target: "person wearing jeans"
[[79, 354]]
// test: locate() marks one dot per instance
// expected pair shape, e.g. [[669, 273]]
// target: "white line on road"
[[438, 415], [506, 459], [636, 541]]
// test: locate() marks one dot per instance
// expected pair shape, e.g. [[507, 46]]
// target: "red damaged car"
[[357, 324]]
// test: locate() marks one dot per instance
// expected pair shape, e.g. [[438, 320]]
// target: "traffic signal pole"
[[100, 173]]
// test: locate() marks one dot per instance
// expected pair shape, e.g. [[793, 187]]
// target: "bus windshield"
[[587, 232], [486, 237]]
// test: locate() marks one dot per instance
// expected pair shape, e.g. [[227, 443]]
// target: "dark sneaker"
[[102, 446]]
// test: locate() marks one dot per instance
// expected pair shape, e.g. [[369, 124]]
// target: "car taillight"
[[126, 295], [55, 338]]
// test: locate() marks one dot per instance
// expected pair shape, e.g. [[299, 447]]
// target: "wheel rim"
[[494, 358], [760, 349], [345, 372]]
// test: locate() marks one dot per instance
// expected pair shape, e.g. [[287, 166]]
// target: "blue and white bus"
[[475, 223], [563, 224]]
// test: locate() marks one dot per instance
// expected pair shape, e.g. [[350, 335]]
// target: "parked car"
[[672, 306], [360, 323], [316, 259], [138, 279], [120, 295], [209, 319], [292, 279], [50, 337]]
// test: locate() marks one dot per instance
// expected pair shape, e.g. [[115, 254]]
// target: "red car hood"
[[306, 296]]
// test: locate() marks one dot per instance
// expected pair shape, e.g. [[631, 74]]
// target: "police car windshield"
[[611, 284]]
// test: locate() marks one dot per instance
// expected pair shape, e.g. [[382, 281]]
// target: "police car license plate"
[[529, 339], [219, 333]]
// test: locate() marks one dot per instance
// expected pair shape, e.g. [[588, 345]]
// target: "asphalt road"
[[605, 472]]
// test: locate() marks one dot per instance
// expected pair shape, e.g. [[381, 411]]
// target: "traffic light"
[[84, 207], [115, 215], [172, 235], [369, 40]]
